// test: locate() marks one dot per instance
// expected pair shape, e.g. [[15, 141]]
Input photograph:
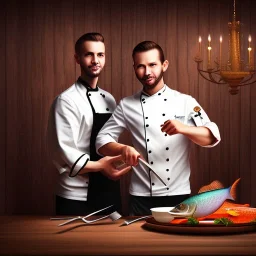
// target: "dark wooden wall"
[[36, 48]]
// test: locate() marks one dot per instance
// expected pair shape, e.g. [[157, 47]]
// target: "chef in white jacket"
[[86, 181], [162, 123]]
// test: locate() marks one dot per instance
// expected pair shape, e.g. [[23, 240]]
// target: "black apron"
[[102, 191]]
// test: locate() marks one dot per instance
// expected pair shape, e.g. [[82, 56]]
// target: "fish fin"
[[233, 189], [212, 186]]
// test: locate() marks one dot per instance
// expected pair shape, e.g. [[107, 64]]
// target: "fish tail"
[[232, 190]]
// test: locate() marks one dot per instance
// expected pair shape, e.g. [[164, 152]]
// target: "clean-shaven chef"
[[86, 181], [162, 123]]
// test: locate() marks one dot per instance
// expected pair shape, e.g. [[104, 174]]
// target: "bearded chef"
[[86, 181], [162, 122]]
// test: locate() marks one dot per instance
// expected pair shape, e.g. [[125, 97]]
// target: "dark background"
[[36, 48]]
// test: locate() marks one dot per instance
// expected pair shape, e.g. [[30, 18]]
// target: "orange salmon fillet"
[[246, 214]]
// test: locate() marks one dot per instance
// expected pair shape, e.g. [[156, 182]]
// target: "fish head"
[[183, 210]]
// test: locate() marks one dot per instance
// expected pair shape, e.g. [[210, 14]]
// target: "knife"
[[150, 167]]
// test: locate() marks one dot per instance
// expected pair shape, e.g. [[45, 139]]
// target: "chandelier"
[[234, 72]]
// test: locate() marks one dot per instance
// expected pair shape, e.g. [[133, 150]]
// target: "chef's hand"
[[130, 155], [172, 127], [110, 169]]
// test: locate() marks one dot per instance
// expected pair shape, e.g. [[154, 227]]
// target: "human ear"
[[165, 65], [76, 56]]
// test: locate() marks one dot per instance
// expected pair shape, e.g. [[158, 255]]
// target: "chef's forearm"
[[199, 135], [92, 166], [111, 149]]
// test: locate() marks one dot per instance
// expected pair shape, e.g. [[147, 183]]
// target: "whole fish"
[[207, 201]]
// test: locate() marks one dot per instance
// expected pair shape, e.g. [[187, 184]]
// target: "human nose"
[[147, 71], [95, 59]]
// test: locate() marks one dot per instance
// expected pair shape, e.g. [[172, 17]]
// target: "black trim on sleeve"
[[72, 169]]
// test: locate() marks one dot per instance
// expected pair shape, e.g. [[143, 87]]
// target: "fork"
[[128, 222], [113, 216], [79, 217]]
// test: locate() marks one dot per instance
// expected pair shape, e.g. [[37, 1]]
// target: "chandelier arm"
[[248, 79], [216, 72], [213, 72], [248, 83], [213, 81], [211, 77]]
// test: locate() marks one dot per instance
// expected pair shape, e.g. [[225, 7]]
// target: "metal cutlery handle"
[[77, 218], [63, 218], [68, 218], [144, 162], [132, 221], [83, 219], [97, 211]]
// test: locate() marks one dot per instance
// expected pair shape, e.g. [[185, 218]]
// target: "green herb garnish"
[[193, 221], [223, 221]]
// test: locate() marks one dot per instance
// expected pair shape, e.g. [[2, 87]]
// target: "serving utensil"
[[150, 167], [128, 222], [79, 217], [113, 216]]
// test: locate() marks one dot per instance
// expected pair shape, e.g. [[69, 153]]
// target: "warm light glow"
[[234, 71]]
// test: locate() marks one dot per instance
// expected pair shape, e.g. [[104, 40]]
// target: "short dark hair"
[[146, 46], [93, 36]]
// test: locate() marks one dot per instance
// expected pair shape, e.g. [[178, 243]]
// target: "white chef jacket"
[[142, 115], [68, 135]]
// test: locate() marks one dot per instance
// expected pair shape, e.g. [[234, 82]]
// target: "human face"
[[91, 58], [149, 70]]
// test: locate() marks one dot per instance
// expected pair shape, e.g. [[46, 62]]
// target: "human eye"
[[152, 64], [101, 54], [139, 66]]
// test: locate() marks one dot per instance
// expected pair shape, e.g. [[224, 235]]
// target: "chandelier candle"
[[249, 51], [220, 51], [232, 72], [209, 52], [199, 41]]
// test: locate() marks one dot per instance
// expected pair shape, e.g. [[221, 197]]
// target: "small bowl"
[[161, 214]]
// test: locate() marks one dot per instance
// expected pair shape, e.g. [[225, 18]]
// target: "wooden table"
[[37, 235]]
